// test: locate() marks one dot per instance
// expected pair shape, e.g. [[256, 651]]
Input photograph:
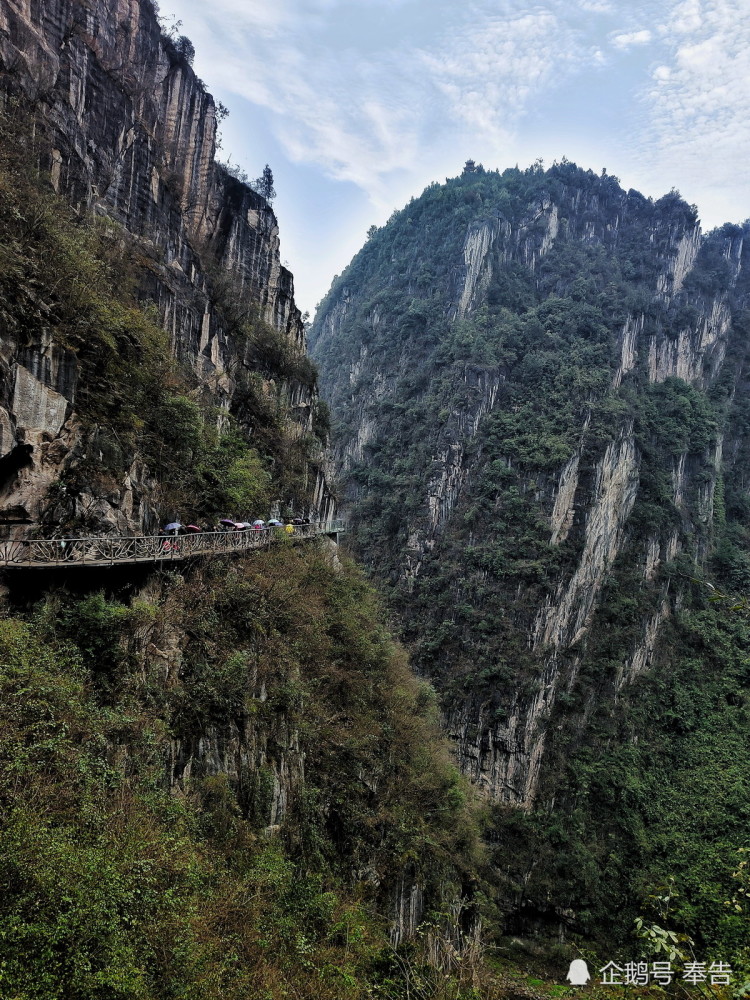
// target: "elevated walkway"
[[114, 550]]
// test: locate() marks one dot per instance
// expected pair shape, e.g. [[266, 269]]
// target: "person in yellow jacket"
[[289, 528]]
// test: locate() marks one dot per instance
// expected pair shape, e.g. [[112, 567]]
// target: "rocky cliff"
[[537, 378], [123, 129]]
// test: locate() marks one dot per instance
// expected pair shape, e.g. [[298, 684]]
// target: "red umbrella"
[[192, 527]]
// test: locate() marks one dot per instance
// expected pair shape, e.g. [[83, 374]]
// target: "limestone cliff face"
[[127, 130], [479, 523]]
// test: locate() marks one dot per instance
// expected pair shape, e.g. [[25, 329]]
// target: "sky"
[[358, 105]]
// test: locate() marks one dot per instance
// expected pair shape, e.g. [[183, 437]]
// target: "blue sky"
[[359, 104]]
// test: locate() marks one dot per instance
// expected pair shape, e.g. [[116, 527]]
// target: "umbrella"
[[226, 520], [173, 526], [274, 523], [247, 524], [259, 523], [194, 527]]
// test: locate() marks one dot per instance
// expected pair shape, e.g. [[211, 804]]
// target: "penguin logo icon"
[[578, 973]]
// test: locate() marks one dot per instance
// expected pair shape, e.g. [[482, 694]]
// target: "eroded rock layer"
[[125, 129]]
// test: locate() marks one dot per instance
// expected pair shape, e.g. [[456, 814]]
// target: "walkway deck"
[[113, 550]]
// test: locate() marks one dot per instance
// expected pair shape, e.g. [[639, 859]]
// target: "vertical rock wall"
[[127, 130], [683, 330]]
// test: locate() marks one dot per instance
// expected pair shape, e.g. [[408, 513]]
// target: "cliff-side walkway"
[[111, 550]]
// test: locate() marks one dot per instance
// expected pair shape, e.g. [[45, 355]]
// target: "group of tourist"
[[107, 549], [228, 524]]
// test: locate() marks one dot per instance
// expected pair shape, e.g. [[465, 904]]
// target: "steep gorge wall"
[[484, 527], [126, 130]]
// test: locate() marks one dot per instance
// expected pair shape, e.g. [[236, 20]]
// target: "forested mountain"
[[540, 390]]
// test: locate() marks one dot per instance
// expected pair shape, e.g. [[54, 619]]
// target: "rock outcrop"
[[128, 131]]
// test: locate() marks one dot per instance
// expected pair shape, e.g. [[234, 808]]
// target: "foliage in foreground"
[[114, 884]]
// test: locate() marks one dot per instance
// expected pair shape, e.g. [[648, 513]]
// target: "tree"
[[263, 185], [185, 49]]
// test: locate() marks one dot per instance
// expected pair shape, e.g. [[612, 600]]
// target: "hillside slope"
[[540, 387], [225, 783]]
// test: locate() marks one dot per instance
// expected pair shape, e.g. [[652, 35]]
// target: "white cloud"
[[489, 70], [699, 101], [686, 17], [626, 39], [360, 107], [390, 94], [244, 18]]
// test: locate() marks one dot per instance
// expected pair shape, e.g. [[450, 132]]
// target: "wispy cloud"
[[243, 18], [626, 39], [364, 106], [374, 90], [489, 69], [699, 98]]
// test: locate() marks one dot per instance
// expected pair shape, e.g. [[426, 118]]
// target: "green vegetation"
[[115, 884], [473, 412], [230, 784], [654, 794]]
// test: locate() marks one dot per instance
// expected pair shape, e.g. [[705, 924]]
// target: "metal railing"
[[107, 550]]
